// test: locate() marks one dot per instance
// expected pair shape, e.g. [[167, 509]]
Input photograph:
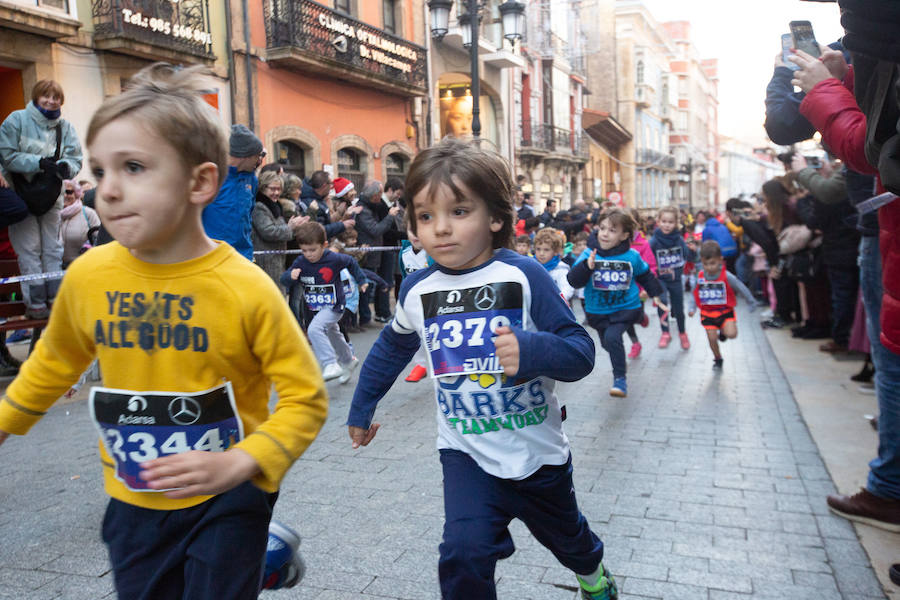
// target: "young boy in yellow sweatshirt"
[[190, 335]]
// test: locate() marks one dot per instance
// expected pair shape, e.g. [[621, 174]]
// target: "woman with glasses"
[[77, 222]]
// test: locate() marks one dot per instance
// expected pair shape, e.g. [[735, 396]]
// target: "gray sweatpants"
[[326, 339], [37, 244]]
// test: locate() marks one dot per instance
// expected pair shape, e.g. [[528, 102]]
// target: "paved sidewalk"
[[703, 486]]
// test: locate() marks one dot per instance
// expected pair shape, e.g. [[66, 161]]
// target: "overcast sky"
[[745, 35]]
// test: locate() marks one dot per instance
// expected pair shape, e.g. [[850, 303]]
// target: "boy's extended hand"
[[363, 288], [199, 473], [295, 274], [591, 260], [362, 437], [691, 313], [661, 304], [507, 350]]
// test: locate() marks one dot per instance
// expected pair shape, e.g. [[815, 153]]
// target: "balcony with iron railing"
[[308, 36], [544, 140], [655, 158], [154, 29]]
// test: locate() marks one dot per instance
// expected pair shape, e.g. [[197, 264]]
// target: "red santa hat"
[[342, 187]]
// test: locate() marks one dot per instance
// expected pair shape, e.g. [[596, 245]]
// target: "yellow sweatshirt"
[[182, 328]]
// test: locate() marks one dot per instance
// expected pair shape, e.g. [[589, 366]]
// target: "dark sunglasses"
[[70, 192]]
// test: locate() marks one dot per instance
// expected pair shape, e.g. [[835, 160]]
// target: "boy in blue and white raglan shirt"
[[486, 316], [610, 273], [319, 271], [671, 254]]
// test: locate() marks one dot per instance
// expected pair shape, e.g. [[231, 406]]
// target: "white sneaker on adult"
[[332, 371], [348, 370]]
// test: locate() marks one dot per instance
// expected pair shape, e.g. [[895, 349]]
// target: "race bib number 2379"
[[460, 325]]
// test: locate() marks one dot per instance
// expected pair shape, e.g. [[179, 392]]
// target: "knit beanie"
[[243, 142], [342, 187]]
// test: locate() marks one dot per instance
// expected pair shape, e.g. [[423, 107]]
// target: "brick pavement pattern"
[[703, 486]]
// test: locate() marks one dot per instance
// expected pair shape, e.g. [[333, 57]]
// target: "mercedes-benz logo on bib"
[[485, 298], [184, 410]]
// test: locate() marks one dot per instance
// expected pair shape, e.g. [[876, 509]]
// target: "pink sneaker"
[[685, 342], [635, 350], [664, 339]]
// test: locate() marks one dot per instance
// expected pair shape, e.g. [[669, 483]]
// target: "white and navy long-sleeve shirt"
[[510, 426]]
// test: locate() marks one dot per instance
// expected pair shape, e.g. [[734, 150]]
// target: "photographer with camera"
[[38, 150]]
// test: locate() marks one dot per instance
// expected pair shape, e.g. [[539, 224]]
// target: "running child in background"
[[523, 244], [579, 245], [318, 270], [639, 243], [548, 246], [414, 258], [671, 254], [191, 456], [714, 293], [486, 316], [609, 274]]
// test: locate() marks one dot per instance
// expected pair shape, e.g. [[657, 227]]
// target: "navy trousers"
[[478, 509], [674, 297], [212, 551], [610, 328]]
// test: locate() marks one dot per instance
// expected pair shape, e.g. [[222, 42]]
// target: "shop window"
[[640, 72], [342, 6], [396, 165], [389, 8], [292, 157], [352, 165]]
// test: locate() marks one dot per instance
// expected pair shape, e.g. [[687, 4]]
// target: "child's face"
[[350, 240], [312, 252], [610, 235], [147, 199], [457, 233], [579, 248], [544, 253], [711, 267], [666, 222], [523, 248]]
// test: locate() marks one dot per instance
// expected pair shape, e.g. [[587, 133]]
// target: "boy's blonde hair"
[[551, 237], [671, 210], [168, 101]]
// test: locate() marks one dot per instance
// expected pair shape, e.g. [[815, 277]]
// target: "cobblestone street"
[[703, 486]]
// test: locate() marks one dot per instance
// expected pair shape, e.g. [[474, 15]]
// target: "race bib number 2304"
[[460, 325], [139, 426]]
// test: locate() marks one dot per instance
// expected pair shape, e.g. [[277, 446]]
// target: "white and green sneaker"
[[604, 590]]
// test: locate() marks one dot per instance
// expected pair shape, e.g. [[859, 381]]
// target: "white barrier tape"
[[297, 251], [33, 277]]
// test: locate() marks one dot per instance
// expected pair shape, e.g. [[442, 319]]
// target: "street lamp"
[[513, 20], [686, 173]]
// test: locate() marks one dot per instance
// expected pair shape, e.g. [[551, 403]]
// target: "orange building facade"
[[337, 86]]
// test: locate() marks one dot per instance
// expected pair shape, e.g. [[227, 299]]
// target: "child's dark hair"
[[523, 239], [710, 249], [310, 232], [456, 163], [619, 218], [581, 236]]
